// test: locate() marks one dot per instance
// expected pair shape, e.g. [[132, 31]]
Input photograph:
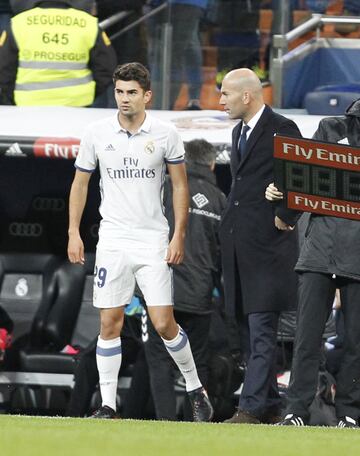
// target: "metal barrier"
[[165, 48], [281, 43]]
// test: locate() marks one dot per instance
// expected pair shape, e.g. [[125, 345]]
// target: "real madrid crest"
[[149, 147]]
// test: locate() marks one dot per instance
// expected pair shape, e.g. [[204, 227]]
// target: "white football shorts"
[[117, 270]]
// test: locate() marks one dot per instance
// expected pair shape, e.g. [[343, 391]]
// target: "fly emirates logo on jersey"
[[131, 170]]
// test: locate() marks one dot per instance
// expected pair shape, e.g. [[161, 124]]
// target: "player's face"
[[130, 98], [232, 99]]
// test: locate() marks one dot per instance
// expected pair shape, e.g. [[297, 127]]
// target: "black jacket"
[[102, 63], [258, 259], [196, 277], [332, 244]]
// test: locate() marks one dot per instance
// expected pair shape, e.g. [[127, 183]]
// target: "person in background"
[[132, 45], [5, 15], [54, 55], [186, 60], [329, 259], [194, 279], [133, 151], [257, 258], [186, 54]]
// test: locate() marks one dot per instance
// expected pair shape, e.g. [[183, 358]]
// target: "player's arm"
[[181, 210], [78, 195]]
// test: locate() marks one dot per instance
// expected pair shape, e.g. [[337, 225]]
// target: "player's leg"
[[108, 354], [113, 288], [155, 281], [161, 372], [177, 344]]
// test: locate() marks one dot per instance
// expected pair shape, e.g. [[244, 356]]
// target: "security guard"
[[54, 54]]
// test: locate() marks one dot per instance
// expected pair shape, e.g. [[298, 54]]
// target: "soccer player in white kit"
[[132, 150]]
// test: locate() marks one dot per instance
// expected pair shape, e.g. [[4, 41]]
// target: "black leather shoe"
[[270, 418], [202, 408], [105, 413], [243, 417]]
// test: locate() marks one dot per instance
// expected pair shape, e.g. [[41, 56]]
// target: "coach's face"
[[130, 98], [233, 97]]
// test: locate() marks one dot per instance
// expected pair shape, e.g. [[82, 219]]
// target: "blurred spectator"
[[131, 46], [54, 55], [186, 53], [351, 8], [5, 15], [317, 6], [185, 16], [194, 279]]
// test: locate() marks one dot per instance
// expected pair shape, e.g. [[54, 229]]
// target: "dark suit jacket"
[[258, 259]]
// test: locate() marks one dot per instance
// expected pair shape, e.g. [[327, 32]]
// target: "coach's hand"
[[175, 252], [282, 226], [272, 193]]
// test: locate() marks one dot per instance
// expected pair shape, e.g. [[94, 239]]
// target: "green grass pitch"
[[30, 436]]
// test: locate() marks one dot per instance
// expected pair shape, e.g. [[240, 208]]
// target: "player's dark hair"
[[200, 151], [133, 71]]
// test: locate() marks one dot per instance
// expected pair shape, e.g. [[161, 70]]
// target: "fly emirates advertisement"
[[318, 177]]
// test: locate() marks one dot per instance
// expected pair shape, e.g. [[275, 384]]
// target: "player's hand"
[[76, 249], [272, 193], [280, 225], [175, 252]]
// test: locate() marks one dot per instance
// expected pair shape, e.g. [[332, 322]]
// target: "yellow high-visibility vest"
[[54, 47]]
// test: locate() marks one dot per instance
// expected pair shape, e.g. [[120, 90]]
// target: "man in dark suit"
[[258, 258]]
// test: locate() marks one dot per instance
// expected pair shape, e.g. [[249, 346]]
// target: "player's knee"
[[164, 327], [110, 327]]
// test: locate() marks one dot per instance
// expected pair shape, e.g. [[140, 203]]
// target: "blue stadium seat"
[[329, 103], [349, 87]]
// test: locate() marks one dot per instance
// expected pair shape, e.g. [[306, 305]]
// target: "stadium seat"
[[349, 87], [329, 103], [42, 293], [26, 284], [54, 323]]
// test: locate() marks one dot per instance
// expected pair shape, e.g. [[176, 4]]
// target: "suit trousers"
[[260, 393], [316, 297]]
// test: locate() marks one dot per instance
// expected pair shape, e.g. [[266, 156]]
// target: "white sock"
[[108, 360], [180, 351]]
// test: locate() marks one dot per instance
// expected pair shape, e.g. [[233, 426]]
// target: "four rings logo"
[[48, 204], [25, 229]]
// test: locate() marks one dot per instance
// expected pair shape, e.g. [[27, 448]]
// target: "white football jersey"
[[132, 170]]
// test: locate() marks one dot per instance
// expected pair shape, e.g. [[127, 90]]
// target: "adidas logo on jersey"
[[109, 147], [200, 200]]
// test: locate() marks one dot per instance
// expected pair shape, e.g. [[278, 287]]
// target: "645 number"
[[57, 38]]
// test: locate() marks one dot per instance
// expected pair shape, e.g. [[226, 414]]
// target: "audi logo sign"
[[25, 229], [48, 204]]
